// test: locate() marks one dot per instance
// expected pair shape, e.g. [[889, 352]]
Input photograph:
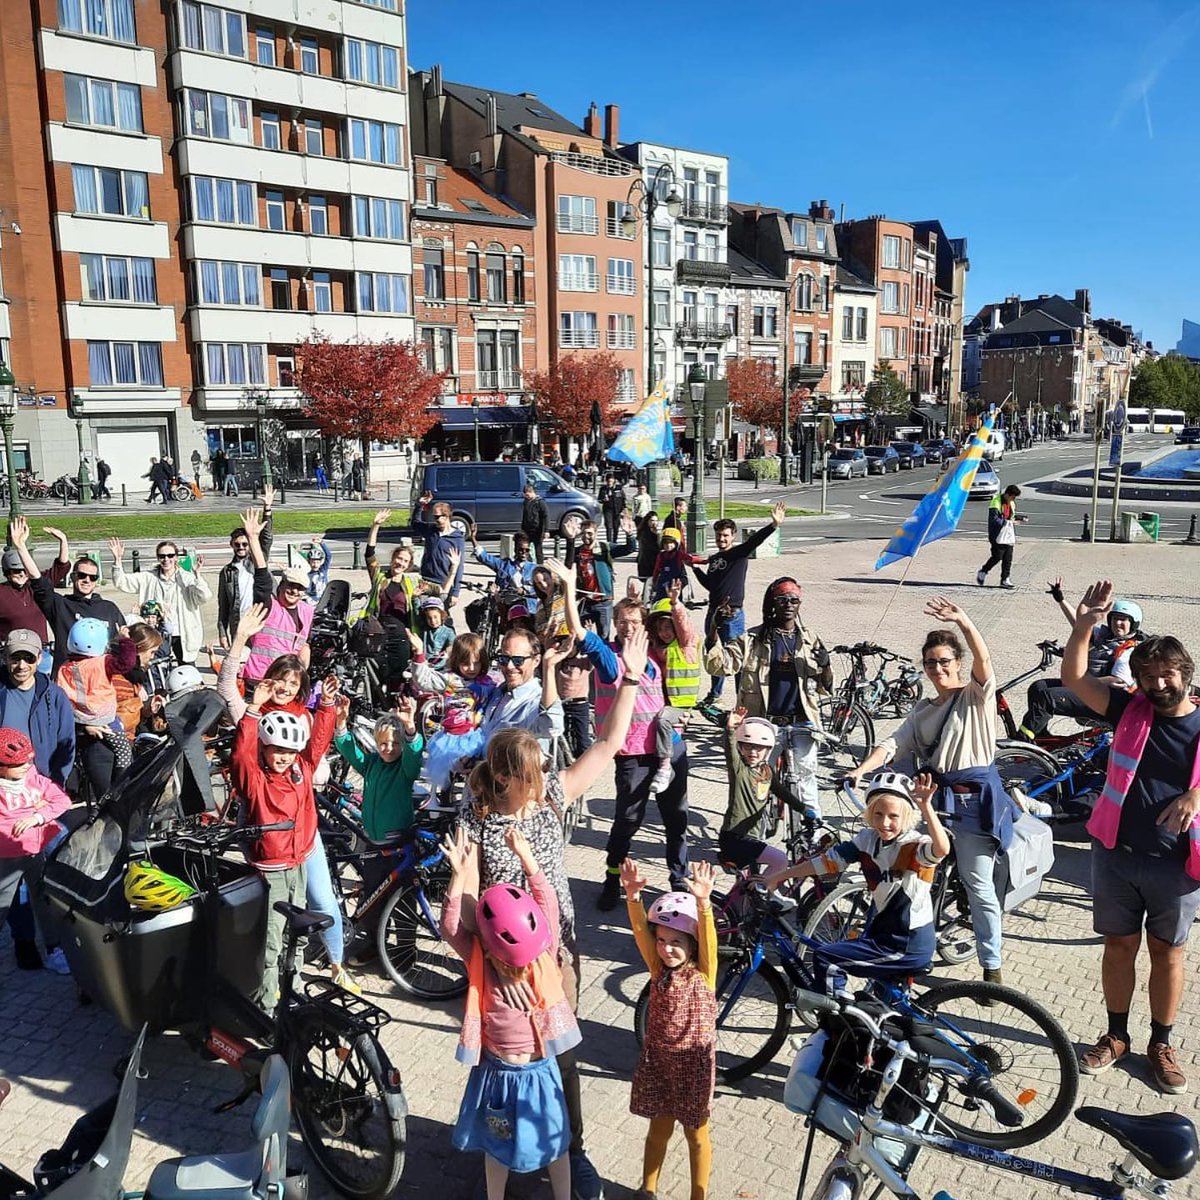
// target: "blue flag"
[[938, 513], [647, 436]]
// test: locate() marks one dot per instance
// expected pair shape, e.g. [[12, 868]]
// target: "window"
[[887, 341], [662, 307], [904, 298], [691, 184], [661, 246], [518, 277], [276, 213], [322, 292], [430, 180], [620, 276], [375, 217], [689, 307], [314, 137], [578, 329], [621, 333], [264, 47], [369, 62], [473, 275], [269, 123], [769, 328], [497, 281], [616, 211], [510, 359], [486, 359], [215, 30], [861, 325], [660, 366], [908, 254], [111, 192], [285, 371], [889, 299], [117, 363], [691, 245], [712, 248], [577, 214], [625, 387], [804, 293], [433, 261], [577, 273], [236, 364], [310, 58], [821, 238], [375, 141], [847, 323], [318, 215], [281, 290], [799, 233], [382, 293], [223, 118], [891, 251], [225, 201], [823, 352], [854, 376], [228, 283], [117, 279], [804, 344], [712, 188], [731, 318], [756, 321], [438, 345], [111, 19], [903, 341], [102, 103]]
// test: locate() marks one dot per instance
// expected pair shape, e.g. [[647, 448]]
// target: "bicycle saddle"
[[1164, 1143], [301, 921]]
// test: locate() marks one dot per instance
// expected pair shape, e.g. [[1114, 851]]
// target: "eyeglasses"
[[241, 545], [294, 587], [22, 658], [171, 555], [515, 660], [80, 577], [930, 663]]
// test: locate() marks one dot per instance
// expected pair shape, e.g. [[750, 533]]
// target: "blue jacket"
[[509, 572], [435, 561], [997, 807], [51, 726]]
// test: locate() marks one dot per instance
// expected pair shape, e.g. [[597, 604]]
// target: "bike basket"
[[367, 637], [339, 1009]]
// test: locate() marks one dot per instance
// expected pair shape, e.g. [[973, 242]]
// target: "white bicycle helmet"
[[675, 910], [181, 680], [283, 730], [891, 783], [756, 731]]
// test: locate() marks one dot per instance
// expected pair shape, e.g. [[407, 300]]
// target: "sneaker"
[[1164, 1066], [586, 1183], [1107, 1051], [991, 975], [610, 893], [662, 777], [1040, 809], [981, 577], [1007, 583], [343, 979], [56, 961]]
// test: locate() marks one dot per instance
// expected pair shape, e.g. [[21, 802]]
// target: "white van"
[[993, 449]]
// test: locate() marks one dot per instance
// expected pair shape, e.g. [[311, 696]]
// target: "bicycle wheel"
[[414, 956], [952, 917], [1028, 767], [350, 1112], [851, 737], [840, 915], [751, 1033], [1026, 1050]]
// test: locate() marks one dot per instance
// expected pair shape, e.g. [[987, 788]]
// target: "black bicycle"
[[880, 694]]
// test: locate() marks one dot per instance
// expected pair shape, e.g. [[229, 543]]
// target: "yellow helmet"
[[661, 608], [153, 890]]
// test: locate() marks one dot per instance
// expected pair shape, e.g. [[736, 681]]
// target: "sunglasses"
[[515, 660], [241, 545], [80, 576], [168, 555], [15, 571], [294, 587], [789, 600], [22, 658]]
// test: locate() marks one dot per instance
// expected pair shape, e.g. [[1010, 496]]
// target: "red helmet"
[[15, 748], [512, 926]]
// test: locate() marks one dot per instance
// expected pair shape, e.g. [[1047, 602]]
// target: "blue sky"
[[1061, 138]]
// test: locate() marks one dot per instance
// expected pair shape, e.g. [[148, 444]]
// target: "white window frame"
[[107, 297], [622, 331], [821, 232], [660, 247], [249, 358], [365, 125], [318, 204], [887, 335], [264, 40], [276, 201], [241, 272], [314, 125], [367, 299], [662, 307], [208, 44], [800, 233], [577, 214], [860, 324], [579, 330], [360, 55], [891, 251], [577, 273], [889, 296], [77, 16], [310, 56], [211, 182], [138, 380], [392, 211], [123, 177], [90, 86], [234, 106], [269, 121], [620, 280], [322, 287]]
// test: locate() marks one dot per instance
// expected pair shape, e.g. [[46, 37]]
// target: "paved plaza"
[[59, 1056]]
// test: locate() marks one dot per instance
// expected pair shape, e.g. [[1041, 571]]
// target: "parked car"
[[881, 460], [912, 454], [1189, 435], [491, 494], [941, 450], [986, 484], [847, 462], [993, 448]]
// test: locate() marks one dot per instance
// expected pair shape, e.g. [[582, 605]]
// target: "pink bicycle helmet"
[[458, 721], [756, 731], [675, 910], [511, 925]]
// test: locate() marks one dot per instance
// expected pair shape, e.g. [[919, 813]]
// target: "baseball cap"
[[23, 639], [296, 575], [11, 560]]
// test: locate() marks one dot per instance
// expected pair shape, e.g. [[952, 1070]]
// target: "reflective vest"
[[285, 632], [682, 684], [89, 689]]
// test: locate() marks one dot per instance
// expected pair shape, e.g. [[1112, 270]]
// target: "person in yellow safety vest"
[[675, 648]]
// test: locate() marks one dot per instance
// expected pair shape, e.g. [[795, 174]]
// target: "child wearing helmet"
[[676, 1071], [671, 564], [318, 556], [753, 785], [514, 1108], [436, 636], [899, 864], [86, 677]]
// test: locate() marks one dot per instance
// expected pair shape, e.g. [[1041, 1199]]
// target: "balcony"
[[577, 223], [706, 212], [594, 164], [578, 281], [613, 228], [579, 339], [692, 330], [620, 285], [706, 267], [498, 381], [622, 339]]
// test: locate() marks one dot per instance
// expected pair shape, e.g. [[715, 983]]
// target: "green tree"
[[887, 394], [1149, 387], [1168, 382]]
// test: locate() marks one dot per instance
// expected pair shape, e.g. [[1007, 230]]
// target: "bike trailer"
[[1027, 861]]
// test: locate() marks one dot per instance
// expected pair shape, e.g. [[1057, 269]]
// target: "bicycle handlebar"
[[217, 837]]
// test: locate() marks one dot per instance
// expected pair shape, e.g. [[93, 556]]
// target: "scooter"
[[90, 1164]]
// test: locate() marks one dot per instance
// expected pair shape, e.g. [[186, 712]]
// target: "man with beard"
[[1146, 831], [235, 584]]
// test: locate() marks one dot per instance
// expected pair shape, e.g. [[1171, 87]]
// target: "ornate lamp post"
[[260, 413], [697, 515], [85, 481], [8, 408], [475, 410]]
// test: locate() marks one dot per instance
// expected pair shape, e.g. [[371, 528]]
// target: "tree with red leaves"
[[367, 391], [755, 392], [567, 393]]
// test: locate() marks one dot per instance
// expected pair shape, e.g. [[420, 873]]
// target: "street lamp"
[[475, 409], [8, 408], [85, 481], [697, 516], [260, 412]]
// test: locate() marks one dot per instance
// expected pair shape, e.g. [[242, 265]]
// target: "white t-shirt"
[[955, 735]]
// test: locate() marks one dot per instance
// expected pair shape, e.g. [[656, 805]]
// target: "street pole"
[[1098, 431], [475, 406], [85, 482], [784, 473], [1116, 496], [697, 515], [721, 462], [825, 478]]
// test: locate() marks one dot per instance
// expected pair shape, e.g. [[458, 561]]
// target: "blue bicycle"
[[1022, 1076], [1069, 779]]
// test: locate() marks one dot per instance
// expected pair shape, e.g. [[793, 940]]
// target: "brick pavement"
[[59, 1056]]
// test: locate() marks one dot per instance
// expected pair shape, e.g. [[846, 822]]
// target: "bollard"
[[389, 491], [282, 492], [291, 554], [1086, 536], [335, 491], [137, 560], [124, 497], [357, 563], [1191, 539]]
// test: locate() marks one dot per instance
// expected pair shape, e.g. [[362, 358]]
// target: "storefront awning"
[[932, 414], [514, 415]]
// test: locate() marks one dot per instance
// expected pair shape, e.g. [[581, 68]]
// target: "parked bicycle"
[[1052, 742], [880, 694]]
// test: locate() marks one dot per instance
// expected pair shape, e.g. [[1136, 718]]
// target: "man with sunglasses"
[[519, 702], [182, 595], [235, 583], [289, 615], [431, 522], [18, 606]]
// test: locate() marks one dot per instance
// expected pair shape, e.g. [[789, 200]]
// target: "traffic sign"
[[1118, 415], [1114, 449]]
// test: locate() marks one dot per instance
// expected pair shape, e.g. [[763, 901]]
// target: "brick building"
[[197, 189]]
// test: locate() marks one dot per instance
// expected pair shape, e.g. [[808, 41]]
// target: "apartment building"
[[950, 290], [198, 187], [576, 187], [756, 311], [476, 290], [688, 293], [855, 314]]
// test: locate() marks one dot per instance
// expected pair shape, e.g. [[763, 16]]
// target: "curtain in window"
[[354, 59], [379, 218], [129, 107], [236, 354], [145, 291], [110, 192], [77, 100], [391, 73], [197, 108], [231, 283], [396, 222], [150, 363], [212, 30], [399, 294], [102, 103], [322, 293], [256, 364], [219, 107], [374, 67], [99, 364], [225, 201], [376, 131], [84, 180], [123, 25], [191, 26], [210, 283], [381, 285], [91, 271], [97, 18], [124, 363], [358, 139], [392, 150], [235, 35], [118, 278], [70, 15], [362, 216], [246, 209], [364, 292], [137, 194], [239, 122], [214, 358], [251, 284]]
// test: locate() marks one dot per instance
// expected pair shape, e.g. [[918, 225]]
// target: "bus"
[[1167, 420], [1137, 420]]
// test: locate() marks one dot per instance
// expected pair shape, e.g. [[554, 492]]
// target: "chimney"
[[489, 114], [1010, 310], [1083, 301], [435, 76], [591, 123], [612, 125]]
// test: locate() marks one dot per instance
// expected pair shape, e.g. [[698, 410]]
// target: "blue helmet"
[[89, 637]]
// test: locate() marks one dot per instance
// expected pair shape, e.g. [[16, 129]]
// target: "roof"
[[848, 280], [468, 199], [513, 108], [745, 271], [1050, 312]]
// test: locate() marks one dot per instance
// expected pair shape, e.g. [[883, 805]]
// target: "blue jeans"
[[319, 896], [725, 630], [975, 855]]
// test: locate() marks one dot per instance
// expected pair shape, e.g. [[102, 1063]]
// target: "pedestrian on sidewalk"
[[322, 479], [103, 471], [535, 520], [1002, 535]]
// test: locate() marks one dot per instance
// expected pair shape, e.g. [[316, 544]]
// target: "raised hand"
[[571, 525], [253, 522], [633, 589], [414, 640], [632, 879], [560, 570], [702, 882], [674, 590], [381, 517], [54, 533], [263, 692], [557, 651], [342, 711], [406, 710], [778, 513], [635, 651], [197, 563], [116, 547], [457, 848], [18, 531], [518, 843], [268, 495], [252, 621], [924, 790], [944, 609], [331, 687]]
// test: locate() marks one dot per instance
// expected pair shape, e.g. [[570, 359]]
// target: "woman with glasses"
[[953, 736]]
